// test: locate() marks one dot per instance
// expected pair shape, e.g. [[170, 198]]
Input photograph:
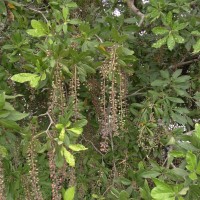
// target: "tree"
[[99, 99]]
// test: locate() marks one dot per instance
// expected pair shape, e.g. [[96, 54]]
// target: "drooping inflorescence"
[[57, 105], [113, 95], [33, 171], [2, 186]]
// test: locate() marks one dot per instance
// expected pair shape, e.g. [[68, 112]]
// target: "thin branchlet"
[[113, 97], [131, 5], [2, 184], [33, 172]]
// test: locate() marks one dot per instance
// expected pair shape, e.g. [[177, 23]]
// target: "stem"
[[132, 6]]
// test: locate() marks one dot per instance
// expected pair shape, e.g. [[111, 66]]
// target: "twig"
[[41, 115], [173, 165], [38, 11], [92, 145], [135, 93], [185, 63], [33, 9], [51, 121], [99, 38], [49, 126], [165, 161], [38, 135], [107, 189], [188, 133], [131, 5]]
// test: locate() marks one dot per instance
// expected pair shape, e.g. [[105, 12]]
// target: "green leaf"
[[198, 168], [178, 39], [59, 126], [123, 195], [74, 21], [68, 157], [194, 192], [182, 79], [193, 176], [162, 191], [179, 26], [137, 105], [127, 51], [76, 130], [187, 146], [197, 130], [62, 135], [2, 8], [34, 33], [34, 82], [68, 124], [71, 5], [40, 29], [175, 100], [181, 92], [15, 3], [2, 100], [160, 30], [145, 191], [80, 123], [176, 74], [8, 106], [23, 77], [88, 69], [65, 28], [169, 18], [184, 191], [160, 43], [150, 174], [9, 124], [69, 193], [171, 141], [4, 113], [180, 172], [155, 13], [170, 42], [158, 83], [191, 160], [196, 47], [165, 74], [65, 12], [125, 181], [178, 118], [8, 47], [196, 33], [26, 77], [131, 20], [182, 110], [3, 152], [95, 196], [77, 147], [16, 116], [59, 160]]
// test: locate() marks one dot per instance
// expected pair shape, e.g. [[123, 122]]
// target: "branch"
[[131, 5], [92, 145], [38, 11], [49, 126], [185, 63], [188, 133], [99, 38], [33, 9], [136, 92]]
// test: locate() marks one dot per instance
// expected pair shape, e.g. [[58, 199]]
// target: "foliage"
[[96, 103]]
